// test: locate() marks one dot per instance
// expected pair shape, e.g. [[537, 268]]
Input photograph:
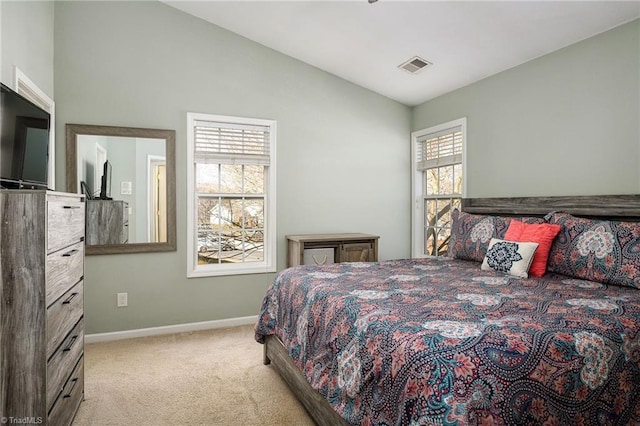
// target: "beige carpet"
[[213, 377]]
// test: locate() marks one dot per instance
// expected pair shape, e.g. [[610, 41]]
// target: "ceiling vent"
[[414, 65]]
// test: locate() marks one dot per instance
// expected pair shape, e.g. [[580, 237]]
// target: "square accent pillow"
[[605, 251], [541, 233], [512, 257], [471, 233]]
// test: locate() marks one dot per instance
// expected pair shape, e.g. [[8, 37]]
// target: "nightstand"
[[331, 248]]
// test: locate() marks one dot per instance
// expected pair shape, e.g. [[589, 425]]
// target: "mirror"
[[128, 177]]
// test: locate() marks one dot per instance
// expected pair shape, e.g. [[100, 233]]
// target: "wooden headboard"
[[614, 207]]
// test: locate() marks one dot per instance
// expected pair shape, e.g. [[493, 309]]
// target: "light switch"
[[125, 188]]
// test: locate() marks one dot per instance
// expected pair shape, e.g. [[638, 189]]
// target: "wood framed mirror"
[[129, 177]]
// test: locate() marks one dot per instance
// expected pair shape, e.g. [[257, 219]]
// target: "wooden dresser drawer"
[[62, 315], [63, 360], [65, 407], [107, 222], [65, 221], [64, 269], [125, 213]]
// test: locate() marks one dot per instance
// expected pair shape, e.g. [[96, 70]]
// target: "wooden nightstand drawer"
[[62, 315], [356, 252], [65, 221], [64, 269], [65, 406], [63, 360]]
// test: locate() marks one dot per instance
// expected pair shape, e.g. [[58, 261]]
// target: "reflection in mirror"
[[136, 179], [128, 176]]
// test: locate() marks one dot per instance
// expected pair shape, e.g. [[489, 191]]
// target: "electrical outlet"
[[122, 300]]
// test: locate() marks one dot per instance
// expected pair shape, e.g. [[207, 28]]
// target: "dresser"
[[41, 309], [329, 248], [107, 222]]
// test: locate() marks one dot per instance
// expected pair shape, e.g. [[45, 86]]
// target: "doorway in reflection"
[[158, 191]]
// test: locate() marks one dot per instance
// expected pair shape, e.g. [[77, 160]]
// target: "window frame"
[[27, 88], [418, 182], [268, 264]]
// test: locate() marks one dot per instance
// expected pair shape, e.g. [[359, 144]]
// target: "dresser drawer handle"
[[70, 253], [68, 300], [73, 385], [70, 207], [71, 342]]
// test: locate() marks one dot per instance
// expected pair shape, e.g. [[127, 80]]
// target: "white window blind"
[[229, 143], [439, 149]]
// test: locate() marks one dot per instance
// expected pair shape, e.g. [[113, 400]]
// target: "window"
[[231, 191], [437, 185]]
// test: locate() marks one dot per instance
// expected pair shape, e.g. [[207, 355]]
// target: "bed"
[[446, 341]]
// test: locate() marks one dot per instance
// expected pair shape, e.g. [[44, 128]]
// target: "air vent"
[[414, 65]]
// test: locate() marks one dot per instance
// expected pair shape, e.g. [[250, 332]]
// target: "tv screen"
[[105, 186], [24, 142]]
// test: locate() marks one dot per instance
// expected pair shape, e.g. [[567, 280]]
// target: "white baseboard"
[[169, 329]]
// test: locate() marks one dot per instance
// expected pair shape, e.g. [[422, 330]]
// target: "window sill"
[[230, 269]]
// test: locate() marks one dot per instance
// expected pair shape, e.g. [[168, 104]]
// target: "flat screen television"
[[24, 142], [105, 184]]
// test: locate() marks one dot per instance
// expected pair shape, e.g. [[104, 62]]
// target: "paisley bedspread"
[[438, 341]]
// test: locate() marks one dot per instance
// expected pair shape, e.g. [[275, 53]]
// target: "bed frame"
[[612, 207], [317, 407]]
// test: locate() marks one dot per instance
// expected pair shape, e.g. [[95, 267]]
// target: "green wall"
[[342, 151], [26, 41], [566, 123]]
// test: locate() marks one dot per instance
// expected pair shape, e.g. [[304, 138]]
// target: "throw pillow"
[[541, 233], [471, 233], [605, 251], [511, 257]]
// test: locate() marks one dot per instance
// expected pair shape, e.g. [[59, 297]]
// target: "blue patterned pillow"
[[596, 250], [511, 257], [471, 233]]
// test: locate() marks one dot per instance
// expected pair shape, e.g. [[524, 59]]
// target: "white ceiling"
[[364, 43]]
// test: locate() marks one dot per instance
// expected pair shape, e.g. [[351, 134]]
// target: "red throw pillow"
[[541, 233]]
